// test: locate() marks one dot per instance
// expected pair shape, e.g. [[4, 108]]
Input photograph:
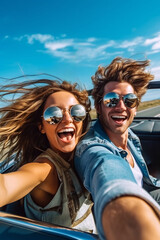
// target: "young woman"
[[41, 128]]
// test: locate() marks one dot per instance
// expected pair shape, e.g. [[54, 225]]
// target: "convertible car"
[[146, 125], [17, 228]]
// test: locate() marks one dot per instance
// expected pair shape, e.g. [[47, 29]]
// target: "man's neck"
[[119, 140]]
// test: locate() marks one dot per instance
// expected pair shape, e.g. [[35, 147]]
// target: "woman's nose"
[[67, 117]]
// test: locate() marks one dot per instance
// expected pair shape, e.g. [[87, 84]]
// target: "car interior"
[[148, 130]]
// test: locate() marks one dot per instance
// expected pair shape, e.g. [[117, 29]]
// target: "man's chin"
[[120, 130]]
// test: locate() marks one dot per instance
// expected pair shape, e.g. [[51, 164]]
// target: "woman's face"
[[63, 136]]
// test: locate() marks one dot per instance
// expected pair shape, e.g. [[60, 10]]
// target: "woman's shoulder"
[[45, 163], [45, 157]]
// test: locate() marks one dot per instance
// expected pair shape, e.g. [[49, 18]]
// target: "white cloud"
[[107, 45], [153, 52], [94, 52], [71, 49], [42, 38], [156, 45], [91, 39], [155, 42], [94, 49], [19, 38], [152, 40], [52, 46], [63, 55], [84, 44], [128, 44], [76, 50]]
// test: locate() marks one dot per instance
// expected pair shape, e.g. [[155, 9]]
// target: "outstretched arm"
[[130, 218], [15, 185], [109, 179]]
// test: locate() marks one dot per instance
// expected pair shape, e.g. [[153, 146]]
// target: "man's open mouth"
[[66, 134], [119, 119]]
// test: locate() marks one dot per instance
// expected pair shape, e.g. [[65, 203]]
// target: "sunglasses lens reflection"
[[131, 100], [78, 112], [53, 115], [112, 99]]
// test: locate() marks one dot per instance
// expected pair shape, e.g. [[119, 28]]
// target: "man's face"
[[116, 120]]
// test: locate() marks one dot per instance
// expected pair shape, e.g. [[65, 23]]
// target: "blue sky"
[[70, 38]]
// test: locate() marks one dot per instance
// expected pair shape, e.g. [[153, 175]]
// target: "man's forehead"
[[119, 87]]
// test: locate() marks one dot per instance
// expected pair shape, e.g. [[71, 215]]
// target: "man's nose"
[[121, 105]]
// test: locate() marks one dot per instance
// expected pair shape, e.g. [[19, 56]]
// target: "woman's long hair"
[[19, 133]]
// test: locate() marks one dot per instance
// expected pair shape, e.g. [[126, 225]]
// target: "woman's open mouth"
[[66, 134]]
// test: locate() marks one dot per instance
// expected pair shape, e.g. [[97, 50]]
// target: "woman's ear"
[[41, 129], [98, 108]]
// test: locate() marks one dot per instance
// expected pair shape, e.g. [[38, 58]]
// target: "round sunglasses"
[[54, 114], [112, 99]]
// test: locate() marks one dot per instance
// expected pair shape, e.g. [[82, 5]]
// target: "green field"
[[142, 106]]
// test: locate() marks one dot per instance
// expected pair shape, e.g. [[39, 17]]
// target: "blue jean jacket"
[[105, 172]]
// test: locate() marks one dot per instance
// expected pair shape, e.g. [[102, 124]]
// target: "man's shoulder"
[[91, 139], [92, 136]]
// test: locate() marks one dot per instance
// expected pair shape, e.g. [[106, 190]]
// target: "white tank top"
[[137, 173], [71, 205]]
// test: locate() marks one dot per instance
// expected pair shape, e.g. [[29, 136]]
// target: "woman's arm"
[[15, 185]]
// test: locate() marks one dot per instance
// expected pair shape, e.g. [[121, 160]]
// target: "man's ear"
[[40, 127]]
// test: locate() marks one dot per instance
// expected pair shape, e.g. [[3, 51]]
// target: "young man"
[[109, 159]]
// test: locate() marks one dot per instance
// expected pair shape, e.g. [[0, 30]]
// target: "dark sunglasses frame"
[[112, 99], [52, 119]]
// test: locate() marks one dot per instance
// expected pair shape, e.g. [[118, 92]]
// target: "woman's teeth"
[[66, 134]]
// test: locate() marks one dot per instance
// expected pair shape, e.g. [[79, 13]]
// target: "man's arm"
[[130, 218], [107, 177]]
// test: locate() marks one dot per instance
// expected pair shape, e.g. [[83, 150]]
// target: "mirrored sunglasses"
[[112, 99], [54, 115]]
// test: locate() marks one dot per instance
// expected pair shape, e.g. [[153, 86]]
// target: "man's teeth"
[[119, 117]]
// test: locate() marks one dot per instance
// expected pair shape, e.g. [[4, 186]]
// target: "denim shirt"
[[106, 173]]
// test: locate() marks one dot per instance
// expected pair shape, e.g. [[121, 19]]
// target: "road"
[[150, 112]]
